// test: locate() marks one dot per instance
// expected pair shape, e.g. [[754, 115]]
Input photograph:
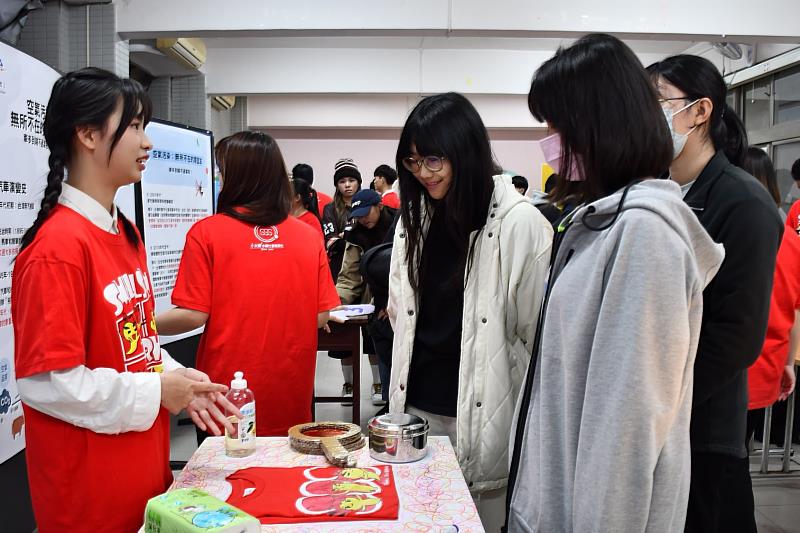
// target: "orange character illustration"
[[130, 332]]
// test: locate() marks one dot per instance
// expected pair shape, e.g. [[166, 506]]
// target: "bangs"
[[136, 104], [422, 136]]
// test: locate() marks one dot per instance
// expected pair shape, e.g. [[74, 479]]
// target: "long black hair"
[[257, 188], [598, 97], [446, 125], [307, 195], [86, 97], [757, 163], [698, 78]]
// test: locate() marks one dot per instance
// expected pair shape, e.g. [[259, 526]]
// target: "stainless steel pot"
[[398, 438]]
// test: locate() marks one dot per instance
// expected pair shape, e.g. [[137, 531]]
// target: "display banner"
[[176, 192], [25, 85]]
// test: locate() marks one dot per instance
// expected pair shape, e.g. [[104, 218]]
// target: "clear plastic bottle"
[[243, 442]]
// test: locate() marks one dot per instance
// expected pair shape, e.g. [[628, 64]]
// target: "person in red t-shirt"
[[385, 177], [94, 382], [304, 205], [304, 172], [771, 377], [258, 279]]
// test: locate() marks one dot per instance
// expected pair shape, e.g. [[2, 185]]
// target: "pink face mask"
[[551, 148]]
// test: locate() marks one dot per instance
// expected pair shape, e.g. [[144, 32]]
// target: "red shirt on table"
[[309, 218], [262, 288], [764, 376], [82, 296], [323, 200], [390, 199], [315, 494]]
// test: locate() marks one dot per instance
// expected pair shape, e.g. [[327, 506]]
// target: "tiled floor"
[[777, 499]]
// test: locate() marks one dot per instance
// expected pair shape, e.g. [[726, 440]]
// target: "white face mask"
[[678, 139]]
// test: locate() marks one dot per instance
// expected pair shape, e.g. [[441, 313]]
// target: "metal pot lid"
[[398, 422]]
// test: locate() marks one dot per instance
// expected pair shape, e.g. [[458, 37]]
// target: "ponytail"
[[130, 230], [728, 134], [55, 178]]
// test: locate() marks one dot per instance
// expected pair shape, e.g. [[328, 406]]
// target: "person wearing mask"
[[371, 223], [305, 172], [468, 264], [240, 276], [602, 440], [385, 177], [709, 146]]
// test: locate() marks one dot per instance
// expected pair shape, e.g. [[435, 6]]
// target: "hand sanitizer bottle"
[[243, 441]]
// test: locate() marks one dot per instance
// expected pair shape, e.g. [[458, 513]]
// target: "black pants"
[[721, 495], [380, 330]]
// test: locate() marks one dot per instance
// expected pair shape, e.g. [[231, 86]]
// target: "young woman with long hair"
[[240, 275], [709, 148], [96, 387], [602, 439], [468, 265]]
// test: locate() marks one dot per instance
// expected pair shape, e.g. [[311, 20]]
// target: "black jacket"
[[331, 228], [737, 211]]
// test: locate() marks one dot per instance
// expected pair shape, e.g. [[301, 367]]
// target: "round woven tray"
[[307, 438]]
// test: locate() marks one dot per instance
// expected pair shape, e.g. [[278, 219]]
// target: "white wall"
[[521, 156], [149, 18]]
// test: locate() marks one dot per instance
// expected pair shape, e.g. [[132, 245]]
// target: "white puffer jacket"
[[501, 306]]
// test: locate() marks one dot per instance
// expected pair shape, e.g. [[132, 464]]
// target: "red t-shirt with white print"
[[262, 288], [82, 296], [315, 494]]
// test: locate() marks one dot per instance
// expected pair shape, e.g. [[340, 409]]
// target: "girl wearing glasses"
[[710, 144], [468, 266]]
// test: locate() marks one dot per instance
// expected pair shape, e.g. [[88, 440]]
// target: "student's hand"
[[787, 381], [209, 410], [178, 391], [383, 315]]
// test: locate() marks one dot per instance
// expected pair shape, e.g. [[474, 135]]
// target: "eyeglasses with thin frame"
[[662, 101], [433, 163]]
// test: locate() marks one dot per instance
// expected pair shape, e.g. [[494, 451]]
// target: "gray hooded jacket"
[[605, 443]]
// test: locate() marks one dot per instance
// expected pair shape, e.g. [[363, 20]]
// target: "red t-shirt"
[[764, 376], [315, 494], [390, 199], [793, 218], [82, 296], [323, 200], [262, 288], [309, 218]]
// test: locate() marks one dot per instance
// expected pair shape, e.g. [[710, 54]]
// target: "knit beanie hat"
[[345, 168]]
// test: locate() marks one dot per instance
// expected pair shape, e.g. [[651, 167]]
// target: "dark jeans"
[[380, 330], [721, 495]]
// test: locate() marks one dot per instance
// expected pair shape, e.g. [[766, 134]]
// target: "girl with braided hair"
[[94, 382]]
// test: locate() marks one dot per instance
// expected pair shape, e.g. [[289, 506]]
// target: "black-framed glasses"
[[434, 163]]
